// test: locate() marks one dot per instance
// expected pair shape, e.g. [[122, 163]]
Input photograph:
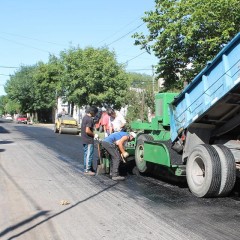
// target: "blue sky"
[[30, 30]]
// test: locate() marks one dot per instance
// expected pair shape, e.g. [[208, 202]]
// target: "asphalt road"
[[40, 171]]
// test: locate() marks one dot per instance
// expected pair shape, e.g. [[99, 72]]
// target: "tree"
[[3, 101], [34, 87], [12, 107], [81, 76], [140, 98], [20, 88], [185, 34], [48, 81], [8, 106], [138, 80], [93, 77]]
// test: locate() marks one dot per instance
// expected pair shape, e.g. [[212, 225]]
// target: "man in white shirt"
[[118, 122]]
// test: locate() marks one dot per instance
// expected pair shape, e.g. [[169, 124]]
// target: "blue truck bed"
[[213, 96]]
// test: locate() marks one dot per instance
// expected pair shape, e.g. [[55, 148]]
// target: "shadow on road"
[[13, 227], [42, 212], [3, 130], [5, 142], [54, 215]]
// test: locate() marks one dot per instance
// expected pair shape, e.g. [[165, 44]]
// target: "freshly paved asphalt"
[[39, 168]]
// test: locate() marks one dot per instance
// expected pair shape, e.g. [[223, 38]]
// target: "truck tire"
[[228, 170], [203, 171], [139, 151]]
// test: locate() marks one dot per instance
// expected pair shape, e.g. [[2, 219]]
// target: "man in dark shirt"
[[88, 139]]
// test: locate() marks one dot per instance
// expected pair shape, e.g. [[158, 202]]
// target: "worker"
[[114, 145], [105, 122], [88, 137], [118, 122]]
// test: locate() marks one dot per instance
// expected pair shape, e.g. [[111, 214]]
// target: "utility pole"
[[143, 103], [153, 78]]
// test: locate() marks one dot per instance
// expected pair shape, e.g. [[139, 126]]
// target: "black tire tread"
[[229, 162], [140, 140], [210, 155], [216, 179]]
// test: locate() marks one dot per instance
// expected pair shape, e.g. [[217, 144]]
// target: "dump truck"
[[196, 133]]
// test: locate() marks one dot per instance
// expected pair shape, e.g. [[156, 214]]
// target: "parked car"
[[8, 117], [22, 119], [66, 124]]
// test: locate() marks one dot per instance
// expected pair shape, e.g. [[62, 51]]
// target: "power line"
[[62, 45], [125, 35], [119, 30], [35, 39], [135, 57], [25, 45]]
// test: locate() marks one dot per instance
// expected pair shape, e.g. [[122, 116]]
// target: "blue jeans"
[[88, 156]]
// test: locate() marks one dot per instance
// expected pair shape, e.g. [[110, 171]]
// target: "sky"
[[31, 30]]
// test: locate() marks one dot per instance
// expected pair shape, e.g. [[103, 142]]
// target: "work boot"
[[118, 178], [89, 173]]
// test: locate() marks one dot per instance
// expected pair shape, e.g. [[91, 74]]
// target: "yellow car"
[[66, 124]]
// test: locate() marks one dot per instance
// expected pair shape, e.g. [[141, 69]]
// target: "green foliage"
[[149, 97], [134, 105], [47, 79], [139, 104], [83, 76], [12, 107], [138, 80], [33, 87], [93, 77], [8, 106], [185, 33], [140, 98], [20, 88], [3, 101]]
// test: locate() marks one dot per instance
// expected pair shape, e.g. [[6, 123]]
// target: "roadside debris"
[[64, 202]]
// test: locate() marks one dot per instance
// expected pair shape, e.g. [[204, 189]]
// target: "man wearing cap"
[[88, 137], [114, 144]]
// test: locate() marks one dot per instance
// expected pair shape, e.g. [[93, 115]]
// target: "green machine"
[[196, 133], [153, 143]]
